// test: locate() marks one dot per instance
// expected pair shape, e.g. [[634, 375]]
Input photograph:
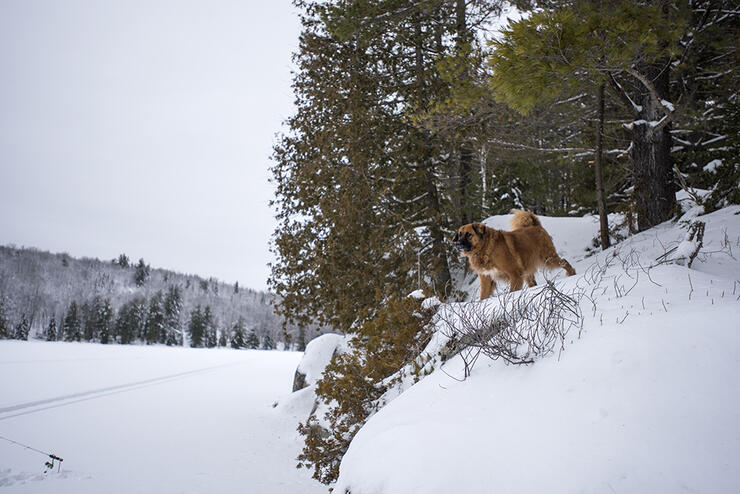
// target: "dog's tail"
[[523, 218]]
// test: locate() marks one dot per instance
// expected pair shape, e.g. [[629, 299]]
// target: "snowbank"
[[645, 401]]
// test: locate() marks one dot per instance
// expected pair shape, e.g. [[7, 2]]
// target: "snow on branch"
[[623, 95]]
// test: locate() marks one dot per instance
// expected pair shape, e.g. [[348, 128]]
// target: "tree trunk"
[[652, 175], [652, 171], [440, 269], [598, 166], [465, 160], [651, 149]]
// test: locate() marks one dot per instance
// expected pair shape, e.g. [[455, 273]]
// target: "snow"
[[712, 166], [646, 400], [419, 294], [142, 419], [318, 354]]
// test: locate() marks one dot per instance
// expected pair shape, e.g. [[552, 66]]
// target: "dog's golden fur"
[[511, 256]]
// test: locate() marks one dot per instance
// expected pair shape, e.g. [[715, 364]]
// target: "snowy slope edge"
[[645, 401]]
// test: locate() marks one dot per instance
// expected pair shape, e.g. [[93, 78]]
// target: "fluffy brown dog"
[[513, 256]]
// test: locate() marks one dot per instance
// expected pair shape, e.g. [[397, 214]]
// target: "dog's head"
[[468, 236]]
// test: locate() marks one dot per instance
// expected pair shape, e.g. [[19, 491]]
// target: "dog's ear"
[[479, 229], [456, 237]]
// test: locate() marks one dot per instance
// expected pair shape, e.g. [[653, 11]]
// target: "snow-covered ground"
[[647, 400], [130, 419]]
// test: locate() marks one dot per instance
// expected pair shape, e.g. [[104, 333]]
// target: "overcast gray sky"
[[144, 127]]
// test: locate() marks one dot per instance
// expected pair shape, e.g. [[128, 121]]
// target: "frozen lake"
[[147, 419]]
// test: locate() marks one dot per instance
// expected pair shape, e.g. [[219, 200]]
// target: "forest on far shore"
[[56, 297]]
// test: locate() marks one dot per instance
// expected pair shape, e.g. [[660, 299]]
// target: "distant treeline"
[[55, 297]]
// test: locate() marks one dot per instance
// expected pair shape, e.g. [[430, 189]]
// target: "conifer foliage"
[[365, 193], [354, 382]]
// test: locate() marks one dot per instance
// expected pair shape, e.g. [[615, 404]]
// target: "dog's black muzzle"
[[462, 244]]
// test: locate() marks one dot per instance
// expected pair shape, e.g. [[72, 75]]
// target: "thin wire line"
[[26, 446]]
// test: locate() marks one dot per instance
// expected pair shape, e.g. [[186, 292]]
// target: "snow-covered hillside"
[[147, 419], [38, 286], [645, 400]]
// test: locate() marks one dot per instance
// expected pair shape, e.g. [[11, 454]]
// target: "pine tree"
[[87, 314], [142, 273], [50, 334], [22, 329], [237, 334], [172, 308], [103, 320], [632, 48], [155, 320], [4, 324], [253, 341], [210, 336], [196, 328], [72, 326], [130, 321], [123, 261]]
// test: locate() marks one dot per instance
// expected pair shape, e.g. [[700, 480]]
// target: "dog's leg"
[[487, 285], [555, 262], [515, 282], [530, 280]]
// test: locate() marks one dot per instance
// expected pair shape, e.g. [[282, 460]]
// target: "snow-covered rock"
[[316, 357]]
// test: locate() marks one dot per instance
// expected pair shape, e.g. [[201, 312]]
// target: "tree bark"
[[652, 166]]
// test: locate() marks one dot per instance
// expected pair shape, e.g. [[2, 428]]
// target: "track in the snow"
[[58, 401]]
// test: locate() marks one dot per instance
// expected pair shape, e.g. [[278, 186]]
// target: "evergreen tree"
[[142, 273], [130, 321], [172, 307], [223, 338], [354, 381], [196, 328], [72, 326], [253, 341], [155, 320], [50, 334], [237, 334], [634, 49], [360, 192], [210, 336], [87, 314], [123, 261], [4, 324], [22, 329], [103, 320]]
